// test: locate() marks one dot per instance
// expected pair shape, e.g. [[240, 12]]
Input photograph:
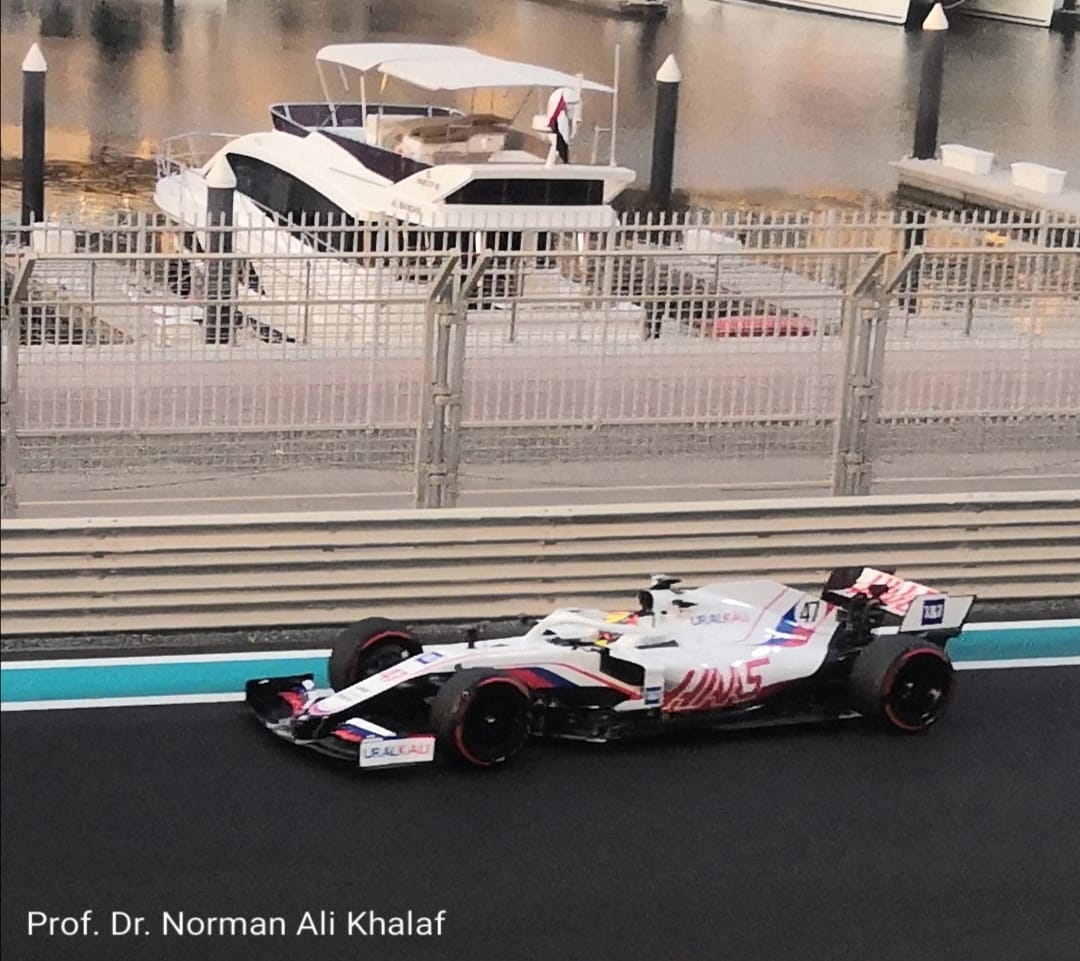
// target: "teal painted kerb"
[[1007, 644], [192, 676], [148, 680]]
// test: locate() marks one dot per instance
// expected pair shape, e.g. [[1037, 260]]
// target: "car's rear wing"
[[848, 587]]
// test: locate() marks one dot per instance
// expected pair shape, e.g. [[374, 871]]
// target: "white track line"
[[146, 660], [1070, 661], [151, 700], [1024, 625]]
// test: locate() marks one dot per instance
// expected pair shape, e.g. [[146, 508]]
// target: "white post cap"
[[34, 61], [221, 176], [936, 19], [669, 71]]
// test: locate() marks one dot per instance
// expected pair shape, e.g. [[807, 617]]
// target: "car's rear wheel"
[[368, 647], [901, 682], [484, 716]]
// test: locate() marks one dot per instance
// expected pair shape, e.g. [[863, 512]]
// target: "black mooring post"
[[935, 29], [168, 26], [220, 187], [33, 136], [668, 78]]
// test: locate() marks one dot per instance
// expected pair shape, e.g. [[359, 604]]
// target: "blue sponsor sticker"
[[428, 656], [652, 696], [933, 612]]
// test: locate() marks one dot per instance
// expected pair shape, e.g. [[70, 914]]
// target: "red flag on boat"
[[559, 123]]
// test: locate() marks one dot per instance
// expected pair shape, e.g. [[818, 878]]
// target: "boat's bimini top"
[[435, 66]]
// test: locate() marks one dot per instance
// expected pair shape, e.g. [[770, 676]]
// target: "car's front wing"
[[278, 703]]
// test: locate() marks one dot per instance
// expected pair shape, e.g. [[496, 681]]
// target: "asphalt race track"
[[829, 844]]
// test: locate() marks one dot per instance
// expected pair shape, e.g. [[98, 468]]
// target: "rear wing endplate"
[[937, 613]]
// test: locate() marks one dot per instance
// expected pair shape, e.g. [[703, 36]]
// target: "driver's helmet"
[[615, 617]]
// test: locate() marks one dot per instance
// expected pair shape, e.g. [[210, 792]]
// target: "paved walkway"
[[686, 478]]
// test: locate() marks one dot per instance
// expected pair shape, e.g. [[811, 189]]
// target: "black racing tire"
[[484, 716], [368, 647], [901, 682]]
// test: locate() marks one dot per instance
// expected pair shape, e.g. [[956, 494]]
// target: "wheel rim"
[[918, 691], [379, 658], [495, 722]]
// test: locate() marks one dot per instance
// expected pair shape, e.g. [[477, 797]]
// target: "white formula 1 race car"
[[738, 653]]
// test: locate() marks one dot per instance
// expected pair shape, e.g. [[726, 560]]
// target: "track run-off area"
[[834, 842]]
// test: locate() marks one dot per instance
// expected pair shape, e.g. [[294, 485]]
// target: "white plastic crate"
[[969, 159], [1031, 176]]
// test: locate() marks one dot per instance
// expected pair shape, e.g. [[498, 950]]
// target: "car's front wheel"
[[368, 647], [901, 682], [484, 716]]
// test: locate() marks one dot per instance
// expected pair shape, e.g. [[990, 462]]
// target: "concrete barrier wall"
[[63, 576]]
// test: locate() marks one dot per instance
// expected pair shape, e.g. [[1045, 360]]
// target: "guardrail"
[[63, 576]]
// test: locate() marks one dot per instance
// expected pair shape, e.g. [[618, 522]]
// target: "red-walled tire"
[[368, 647], [483, 716], [901, 682]]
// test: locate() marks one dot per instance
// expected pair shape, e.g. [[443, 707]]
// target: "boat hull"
[[881, 11], [1035, 13]]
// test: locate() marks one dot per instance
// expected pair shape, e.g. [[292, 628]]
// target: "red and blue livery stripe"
[[539, 678], [789, 632], [347, 733]]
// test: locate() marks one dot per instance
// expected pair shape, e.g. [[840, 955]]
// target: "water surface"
[[772, 99]]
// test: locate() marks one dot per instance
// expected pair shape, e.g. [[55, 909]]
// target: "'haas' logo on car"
[[713, 687]]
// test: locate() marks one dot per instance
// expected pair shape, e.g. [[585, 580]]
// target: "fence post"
[[438, 442], [866, 313], [913, 236], [455, 379], [431, 428], [14, 308]]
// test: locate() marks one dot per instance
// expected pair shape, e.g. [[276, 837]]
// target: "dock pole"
[[220, 187], [33, 136], [935, 29], [668, 78], [168, 26]]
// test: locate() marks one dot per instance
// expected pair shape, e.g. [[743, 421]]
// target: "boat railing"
[[189, 150], [301, 117]]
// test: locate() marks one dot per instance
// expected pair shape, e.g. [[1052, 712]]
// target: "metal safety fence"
[[749, 341]]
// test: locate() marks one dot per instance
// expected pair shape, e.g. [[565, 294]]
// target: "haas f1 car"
[[729, 654]]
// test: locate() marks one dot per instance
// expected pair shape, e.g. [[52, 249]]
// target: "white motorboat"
[[621, 8], [480, 178], [883, 11], [1034, 13], [426, 164], [1038, 13]]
